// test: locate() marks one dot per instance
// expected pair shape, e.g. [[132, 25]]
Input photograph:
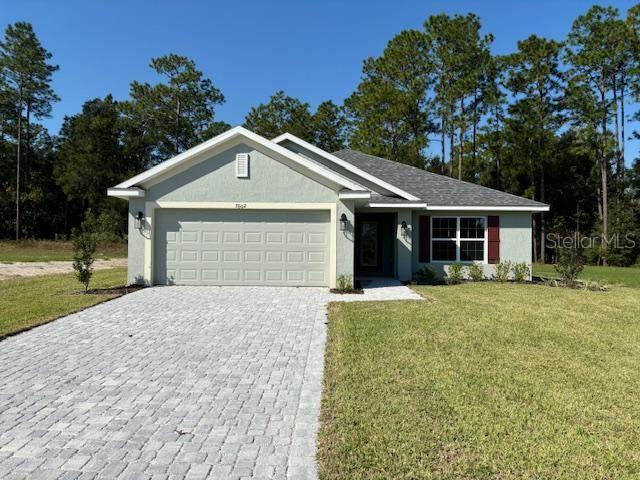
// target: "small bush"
[[521, 272], [344, 283], [502, 271], [84, 250], [426, 276], [454, 273], [569, 265], [475, 272]]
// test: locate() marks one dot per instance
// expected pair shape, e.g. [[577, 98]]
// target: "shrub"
[[521, 272], [84, 250], [426, 276], [475, 272], [344, 283], [502, 271], [569, 265], [454, 273]]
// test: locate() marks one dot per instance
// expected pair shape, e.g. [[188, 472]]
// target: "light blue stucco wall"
[[214, 180], [515, 237]]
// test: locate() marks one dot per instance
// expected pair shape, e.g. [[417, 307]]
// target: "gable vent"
[[242, 165]]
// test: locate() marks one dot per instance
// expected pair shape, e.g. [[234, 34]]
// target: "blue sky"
[[312, 50]]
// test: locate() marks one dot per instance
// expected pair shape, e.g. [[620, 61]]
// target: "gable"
[[225, 141], [214, 180]]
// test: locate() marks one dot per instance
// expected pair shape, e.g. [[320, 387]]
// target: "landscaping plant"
[[475, 272], [426, 276], [521, 272], [502, 271], [569, 265], [344, 283], [454, 273], [84, 250]]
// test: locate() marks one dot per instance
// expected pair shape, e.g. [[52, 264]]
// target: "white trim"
[[458, 239], [354, 195], [151, 207], [125, 192], [228, 135], [479, 208], [346, 165], [398, 205]]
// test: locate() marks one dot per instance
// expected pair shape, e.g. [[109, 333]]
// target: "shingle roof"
[[434, 189]]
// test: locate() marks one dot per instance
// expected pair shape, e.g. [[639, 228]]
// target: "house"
[[240, 209]]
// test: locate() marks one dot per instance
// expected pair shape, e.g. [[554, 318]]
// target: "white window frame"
[[458, 239]]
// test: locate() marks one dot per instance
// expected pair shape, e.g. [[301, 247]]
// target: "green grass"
[[49, 250], [27, 302], [627, 276], [484, 381]]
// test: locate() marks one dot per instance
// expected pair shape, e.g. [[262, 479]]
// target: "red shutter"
[[425, 239], [494, 239]]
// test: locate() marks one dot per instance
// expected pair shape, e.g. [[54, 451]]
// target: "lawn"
[[484, 381], [27, 302], [628, 276], [48, 250]]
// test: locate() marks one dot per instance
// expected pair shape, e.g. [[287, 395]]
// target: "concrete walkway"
[[32, 269]]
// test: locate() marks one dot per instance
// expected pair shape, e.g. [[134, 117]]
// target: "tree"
[[84, 250], [390, 111], [281, 114], [535, 80], [465, 81], [26, 77], [173, 116], [91, 156], [329, 127], [592, 48]]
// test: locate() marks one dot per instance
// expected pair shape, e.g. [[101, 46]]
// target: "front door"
[[374, 244], [370, 251]]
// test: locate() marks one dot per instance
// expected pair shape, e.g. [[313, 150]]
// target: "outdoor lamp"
[[403, 225], [343, 222], [138, 220]]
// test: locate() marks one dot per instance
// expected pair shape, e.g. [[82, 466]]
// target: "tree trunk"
[[619, 166], [604, 167], [475, 125], [451, 149], [622, 139], [460, 138], [18, 159], [443, 146], [542, 219], [177, 139]]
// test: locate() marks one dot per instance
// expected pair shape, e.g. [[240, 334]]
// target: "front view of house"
[[243, 210]]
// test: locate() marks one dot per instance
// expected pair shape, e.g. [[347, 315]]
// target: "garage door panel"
[[242, 247]]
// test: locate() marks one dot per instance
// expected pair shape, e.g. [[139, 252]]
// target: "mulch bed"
[[116, 291], [356, 291]]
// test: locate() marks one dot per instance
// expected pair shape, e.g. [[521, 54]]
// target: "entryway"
[[374, 244]]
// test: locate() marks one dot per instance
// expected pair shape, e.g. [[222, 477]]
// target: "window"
[[458, 239]]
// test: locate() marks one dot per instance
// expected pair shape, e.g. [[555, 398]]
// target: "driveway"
[[168, 382]]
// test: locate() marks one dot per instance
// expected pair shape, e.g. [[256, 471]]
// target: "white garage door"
[[246, 247]]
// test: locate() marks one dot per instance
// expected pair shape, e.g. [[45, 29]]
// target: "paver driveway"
[[168, 383]]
